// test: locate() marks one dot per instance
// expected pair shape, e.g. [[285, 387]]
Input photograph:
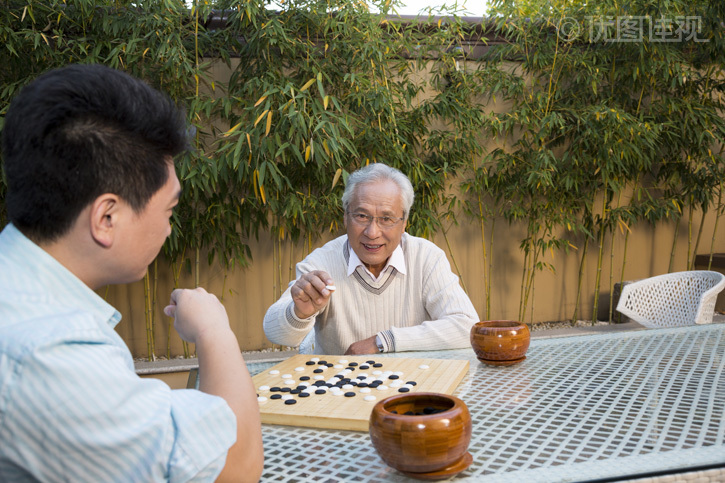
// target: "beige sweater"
[[425, 309]]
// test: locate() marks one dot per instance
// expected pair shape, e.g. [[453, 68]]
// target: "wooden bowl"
[[500, 342], [424, 435]]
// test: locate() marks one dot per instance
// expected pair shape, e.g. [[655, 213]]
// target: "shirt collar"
[[396, 260]]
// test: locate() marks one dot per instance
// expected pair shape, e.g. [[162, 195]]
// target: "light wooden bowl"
[[500, 342], [425, 446]]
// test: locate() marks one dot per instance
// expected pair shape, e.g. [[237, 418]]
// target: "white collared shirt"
[[396, 260]]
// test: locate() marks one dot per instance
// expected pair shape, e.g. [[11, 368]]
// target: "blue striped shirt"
[[71, 405]]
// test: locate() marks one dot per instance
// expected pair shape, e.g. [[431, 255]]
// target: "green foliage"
[[592, 117]]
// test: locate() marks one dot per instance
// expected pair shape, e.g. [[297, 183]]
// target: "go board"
[[340, 391]]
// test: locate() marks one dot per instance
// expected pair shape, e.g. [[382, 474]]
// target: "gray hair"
[[380, 172]]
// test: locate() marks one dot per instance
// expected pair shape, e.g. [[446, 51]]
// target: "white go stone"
[[396, 384], [274, 372], [287, 396], [289, 381], [318, 377], [299, 369], [382, 387], [399, 373], [370, 398], [424, 366], [264, 388], [342, 361], [286, 376], [364, 390], [347, 386], [262, 399], [338, 366], [375, 373], [315, 359]]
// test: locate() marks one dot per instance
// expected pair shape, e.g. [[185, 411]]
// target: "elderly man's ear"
[[104, 217]]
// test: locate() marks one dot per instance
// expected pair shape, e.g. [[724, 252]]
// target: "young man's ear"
[[104, 219]]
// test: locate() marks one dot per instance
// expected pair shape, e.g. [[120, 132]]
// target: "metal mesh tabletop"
[[577, 408]]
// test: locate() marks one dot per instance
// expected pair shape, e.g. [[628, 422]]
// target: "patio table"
[[583, 408]]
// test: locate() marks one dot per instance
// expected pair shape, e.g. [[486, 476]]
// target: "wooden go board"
[[345, 410]]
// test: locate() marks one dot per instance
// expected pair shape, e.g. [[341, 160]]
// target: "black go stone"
[[317, 371], [301, 388], [349, 394], [286, 389], [322, 363], [361, 377], [304, 394], [412, 383], [319, 383], [320, 391], [409, 413], [353, 364], [310, 363], [369, 362], [305, 378], [404, 389], [291, 401], [393, 376], [275, 389], [377, 365], [430, 410], [295, 391], [275, 396], [364, 366], [362, 384], [330, 365]]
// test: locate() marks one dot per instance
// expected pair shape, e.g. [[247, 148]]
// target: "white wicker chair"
[[673, 299]]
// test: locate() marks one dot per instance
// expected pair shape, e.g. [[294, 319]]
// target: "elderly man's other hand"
[[310, 294], [365, 346]]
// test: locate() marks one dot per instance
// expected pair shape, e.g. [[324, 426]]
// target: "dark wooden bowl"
[[500, 342], [426, 446]]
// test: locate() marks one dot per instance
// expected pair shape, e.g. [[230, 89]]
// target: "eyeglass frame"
[[377, 219]]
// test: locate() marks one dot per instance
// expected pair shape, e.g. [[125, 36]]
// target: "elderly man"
[[88, 155], [375, 289]]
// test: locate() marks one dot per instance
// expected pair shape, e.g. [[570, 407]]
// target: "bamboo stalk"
[[580, 280], [600, 256], [714, 230], [674, 245]]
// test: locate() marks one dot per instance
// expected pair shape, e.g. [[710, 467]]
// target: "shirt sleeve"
[[281, 324], [82, 414]]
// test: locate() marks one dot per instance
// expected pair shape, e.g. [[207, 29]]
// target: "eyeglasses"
[[383, 221]]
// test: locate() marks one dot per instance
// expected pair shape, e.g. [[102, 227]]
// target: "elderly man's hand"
[[365, 346], [309, 293]]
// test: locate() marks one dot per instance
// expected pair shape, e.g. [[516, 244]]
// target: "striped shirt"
[[423, 309], [71, 405]]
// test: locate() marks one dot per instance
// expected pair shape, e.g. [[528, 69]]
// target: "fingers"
[[311, 287]]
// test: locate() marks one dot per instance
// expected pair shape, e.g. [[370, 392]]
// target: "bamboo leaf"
[[307, 85], [338, 173], [269, 123]]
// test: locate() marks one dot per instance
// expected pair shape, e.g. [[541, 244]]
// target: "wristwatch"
[[379, 343]]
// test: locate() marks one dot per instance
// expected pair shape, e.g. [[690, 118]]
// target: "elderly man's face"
[[374, 244]]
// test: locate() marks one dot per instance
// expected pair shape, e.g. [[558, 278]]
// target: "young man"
[[91, 187], [392, 291]]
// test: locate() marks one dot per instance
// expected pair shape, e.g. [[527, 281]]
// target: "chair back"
[[672, 299]]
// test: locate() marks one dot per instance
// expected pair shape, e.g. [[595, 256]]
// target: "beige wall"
[[247, 293]]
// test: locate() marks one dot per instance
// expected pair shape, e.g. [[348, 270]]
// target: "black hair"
[[77, 132]]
